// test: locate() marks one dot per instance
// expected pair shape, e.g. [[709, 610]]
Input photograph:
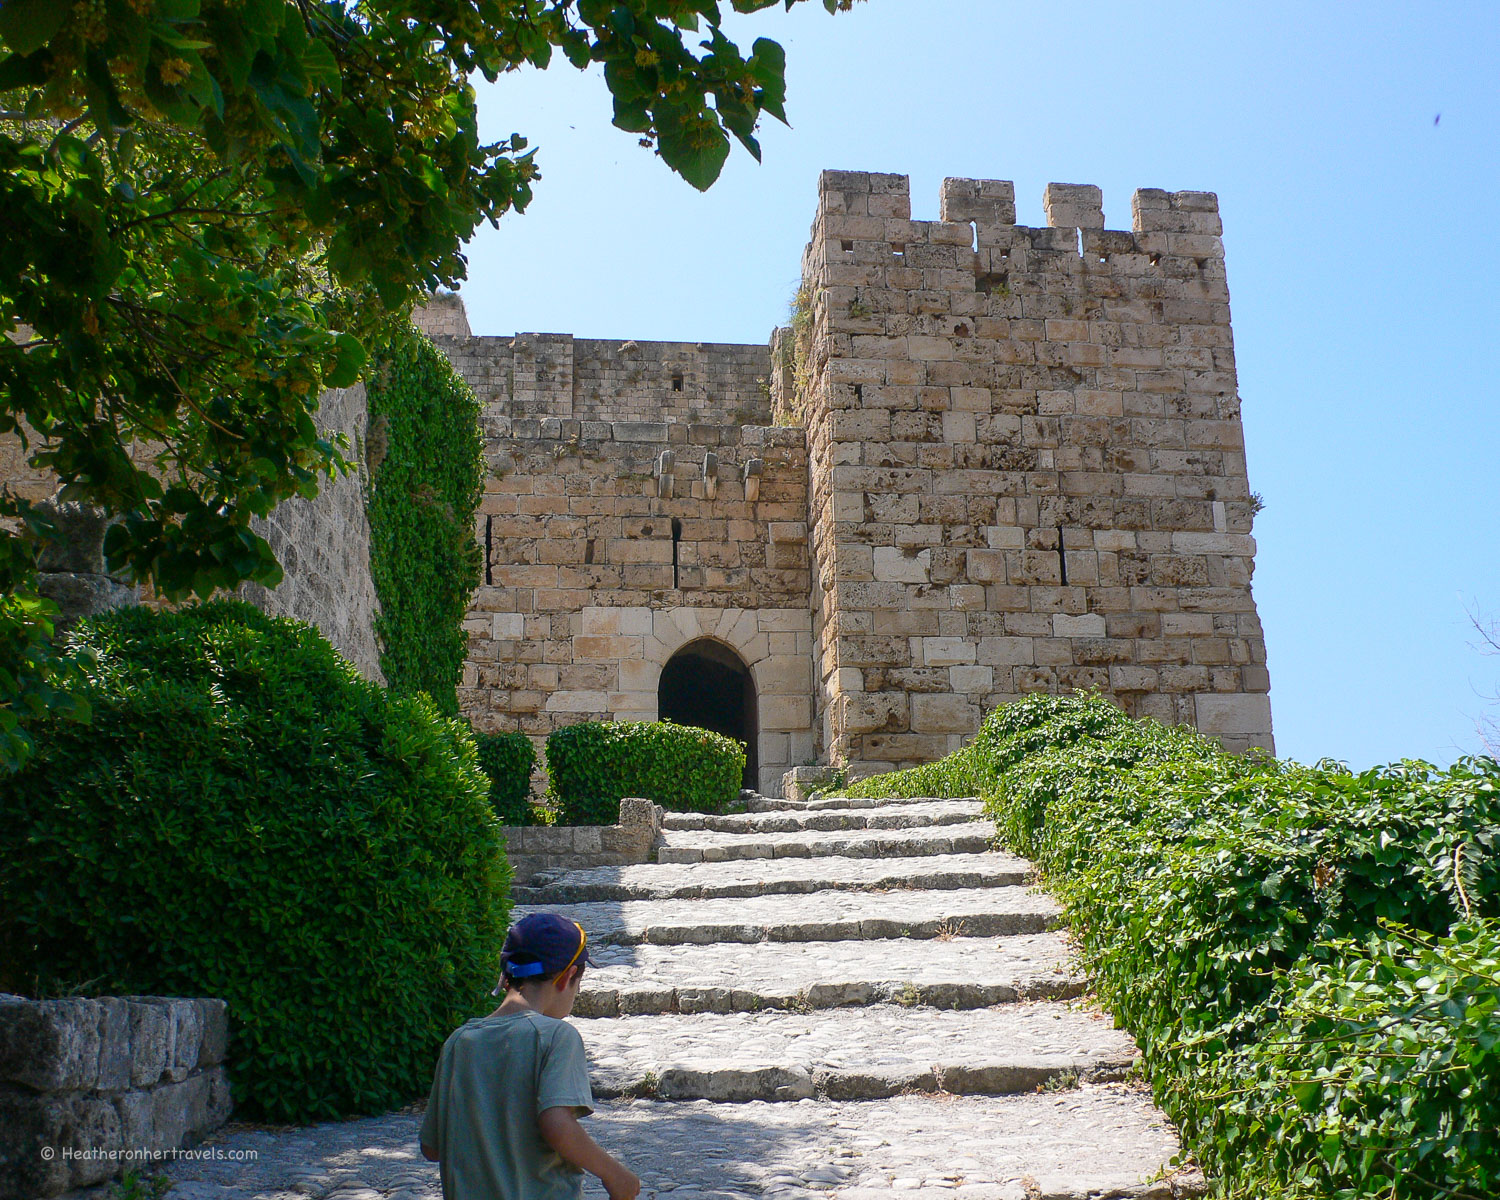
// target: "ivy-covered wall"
[[427, 466]]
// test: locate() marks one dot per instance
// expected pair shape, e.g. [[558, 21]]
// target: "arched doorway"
[[708, 685]]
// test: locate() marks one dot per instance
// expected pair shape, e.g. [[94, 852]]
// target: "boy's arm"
[[560, 1129], [429, 1153]]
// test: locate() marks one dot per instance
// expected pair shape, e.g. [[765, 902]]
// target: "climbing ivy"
[[427, 467]]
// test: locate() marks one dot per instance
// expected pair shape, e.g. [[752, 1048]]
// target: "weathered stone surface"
[[1092, 1142], [955, 973], [972, 837], [893, 816], [779, 876], [822, 916], [89, 1086]]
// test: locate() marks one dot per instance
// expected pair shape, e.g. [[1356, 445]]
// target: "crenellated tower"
[[1026, 464]]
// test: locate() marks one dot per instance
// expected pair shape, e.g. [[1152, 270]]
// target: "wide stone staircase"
[[841, 997], [851, 997]]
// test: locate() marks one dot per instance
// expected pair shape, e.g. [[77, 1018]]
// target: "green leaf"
[[28, 25]]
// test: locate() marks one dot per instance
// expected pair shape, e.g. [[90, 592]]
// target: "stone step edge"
[[824, 820], [561, 892], [768, 804], [973, 925], [975, 843], [742, 1084], [651, 1001]]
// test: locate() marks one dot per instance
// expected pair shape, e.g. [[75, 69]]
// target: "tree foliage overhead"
[[209, 202]]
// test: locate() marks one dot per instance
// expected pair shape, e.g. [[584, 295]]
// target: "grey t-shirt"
[[496, 1075]]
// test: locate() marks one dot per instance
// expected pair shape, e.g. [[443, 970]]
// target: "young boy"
[[502, 1120]]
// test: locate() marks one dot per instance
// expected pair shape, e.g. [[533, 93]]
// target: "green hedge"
[[424, 494], [1308, 957], [594, 765], [508, 759], [248, 818]]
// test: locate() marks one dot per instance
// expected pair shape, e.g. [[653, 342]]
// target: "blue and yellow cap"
[[540, 946]]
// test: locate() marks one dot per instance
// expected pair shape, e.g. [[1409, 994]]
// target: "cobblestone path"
[[845, 998]]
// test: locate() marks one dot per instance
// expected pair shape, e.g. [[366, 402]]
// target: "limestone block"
[[1074, 206], [507, 625], [974, 680], [785, 712], [578, 702], [1006, 651], [987, 566], [893, 565], [49, 1045], [1089, 625], [945, 651], [959, 427], [639, 675], [1241, 544], [215, 1046], [586, 840], [151, 1043], [612, 622], [943, 714], [640, 431], [780, 620], [1244, 716], [866, 712], [987, 202], [608, 648]]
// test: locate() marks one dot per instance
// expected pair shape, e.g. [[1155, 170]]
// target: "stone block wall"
[[610, 545], [323, 546], [92, 1087], [1027, 466], [534, 848], [557, 375]]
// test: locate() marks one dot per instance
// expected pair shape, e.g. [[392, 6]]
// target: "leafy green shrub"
[[508, 759], [950, 778], [594, 765], [248, 818], [423, 496], [1306, 955]]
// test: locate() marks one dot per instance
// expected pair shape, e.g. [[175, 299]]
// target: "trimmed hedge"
[[508, 759], [1308, 957], [594, 765], [424, 495], [247, 817]]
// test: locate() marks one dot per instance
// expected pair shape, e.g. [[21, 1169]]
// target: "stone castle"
[[985, 460]]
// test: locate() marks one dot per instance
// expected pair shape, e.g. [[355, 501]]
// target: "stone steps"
[[819, 917], [961, 973], [852, 1054], [882, 816], [680, 846], [770, 804], [864, 1010], [1084, 1144], [777, 876]]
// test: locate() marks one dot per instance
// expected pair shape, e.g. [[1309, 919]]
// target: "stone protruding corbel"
[[666, 465], [753, 469], [710, 474]]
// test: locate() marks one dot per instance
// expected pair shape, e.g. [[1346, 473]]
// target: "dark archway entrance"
[[707, 685]]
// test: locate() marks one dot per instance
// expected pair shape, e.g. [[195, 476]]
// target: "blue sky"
[[1354, 151]]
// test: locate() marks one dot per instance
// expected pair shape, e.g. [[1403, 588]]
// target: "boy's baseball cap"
[[542, 945]]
